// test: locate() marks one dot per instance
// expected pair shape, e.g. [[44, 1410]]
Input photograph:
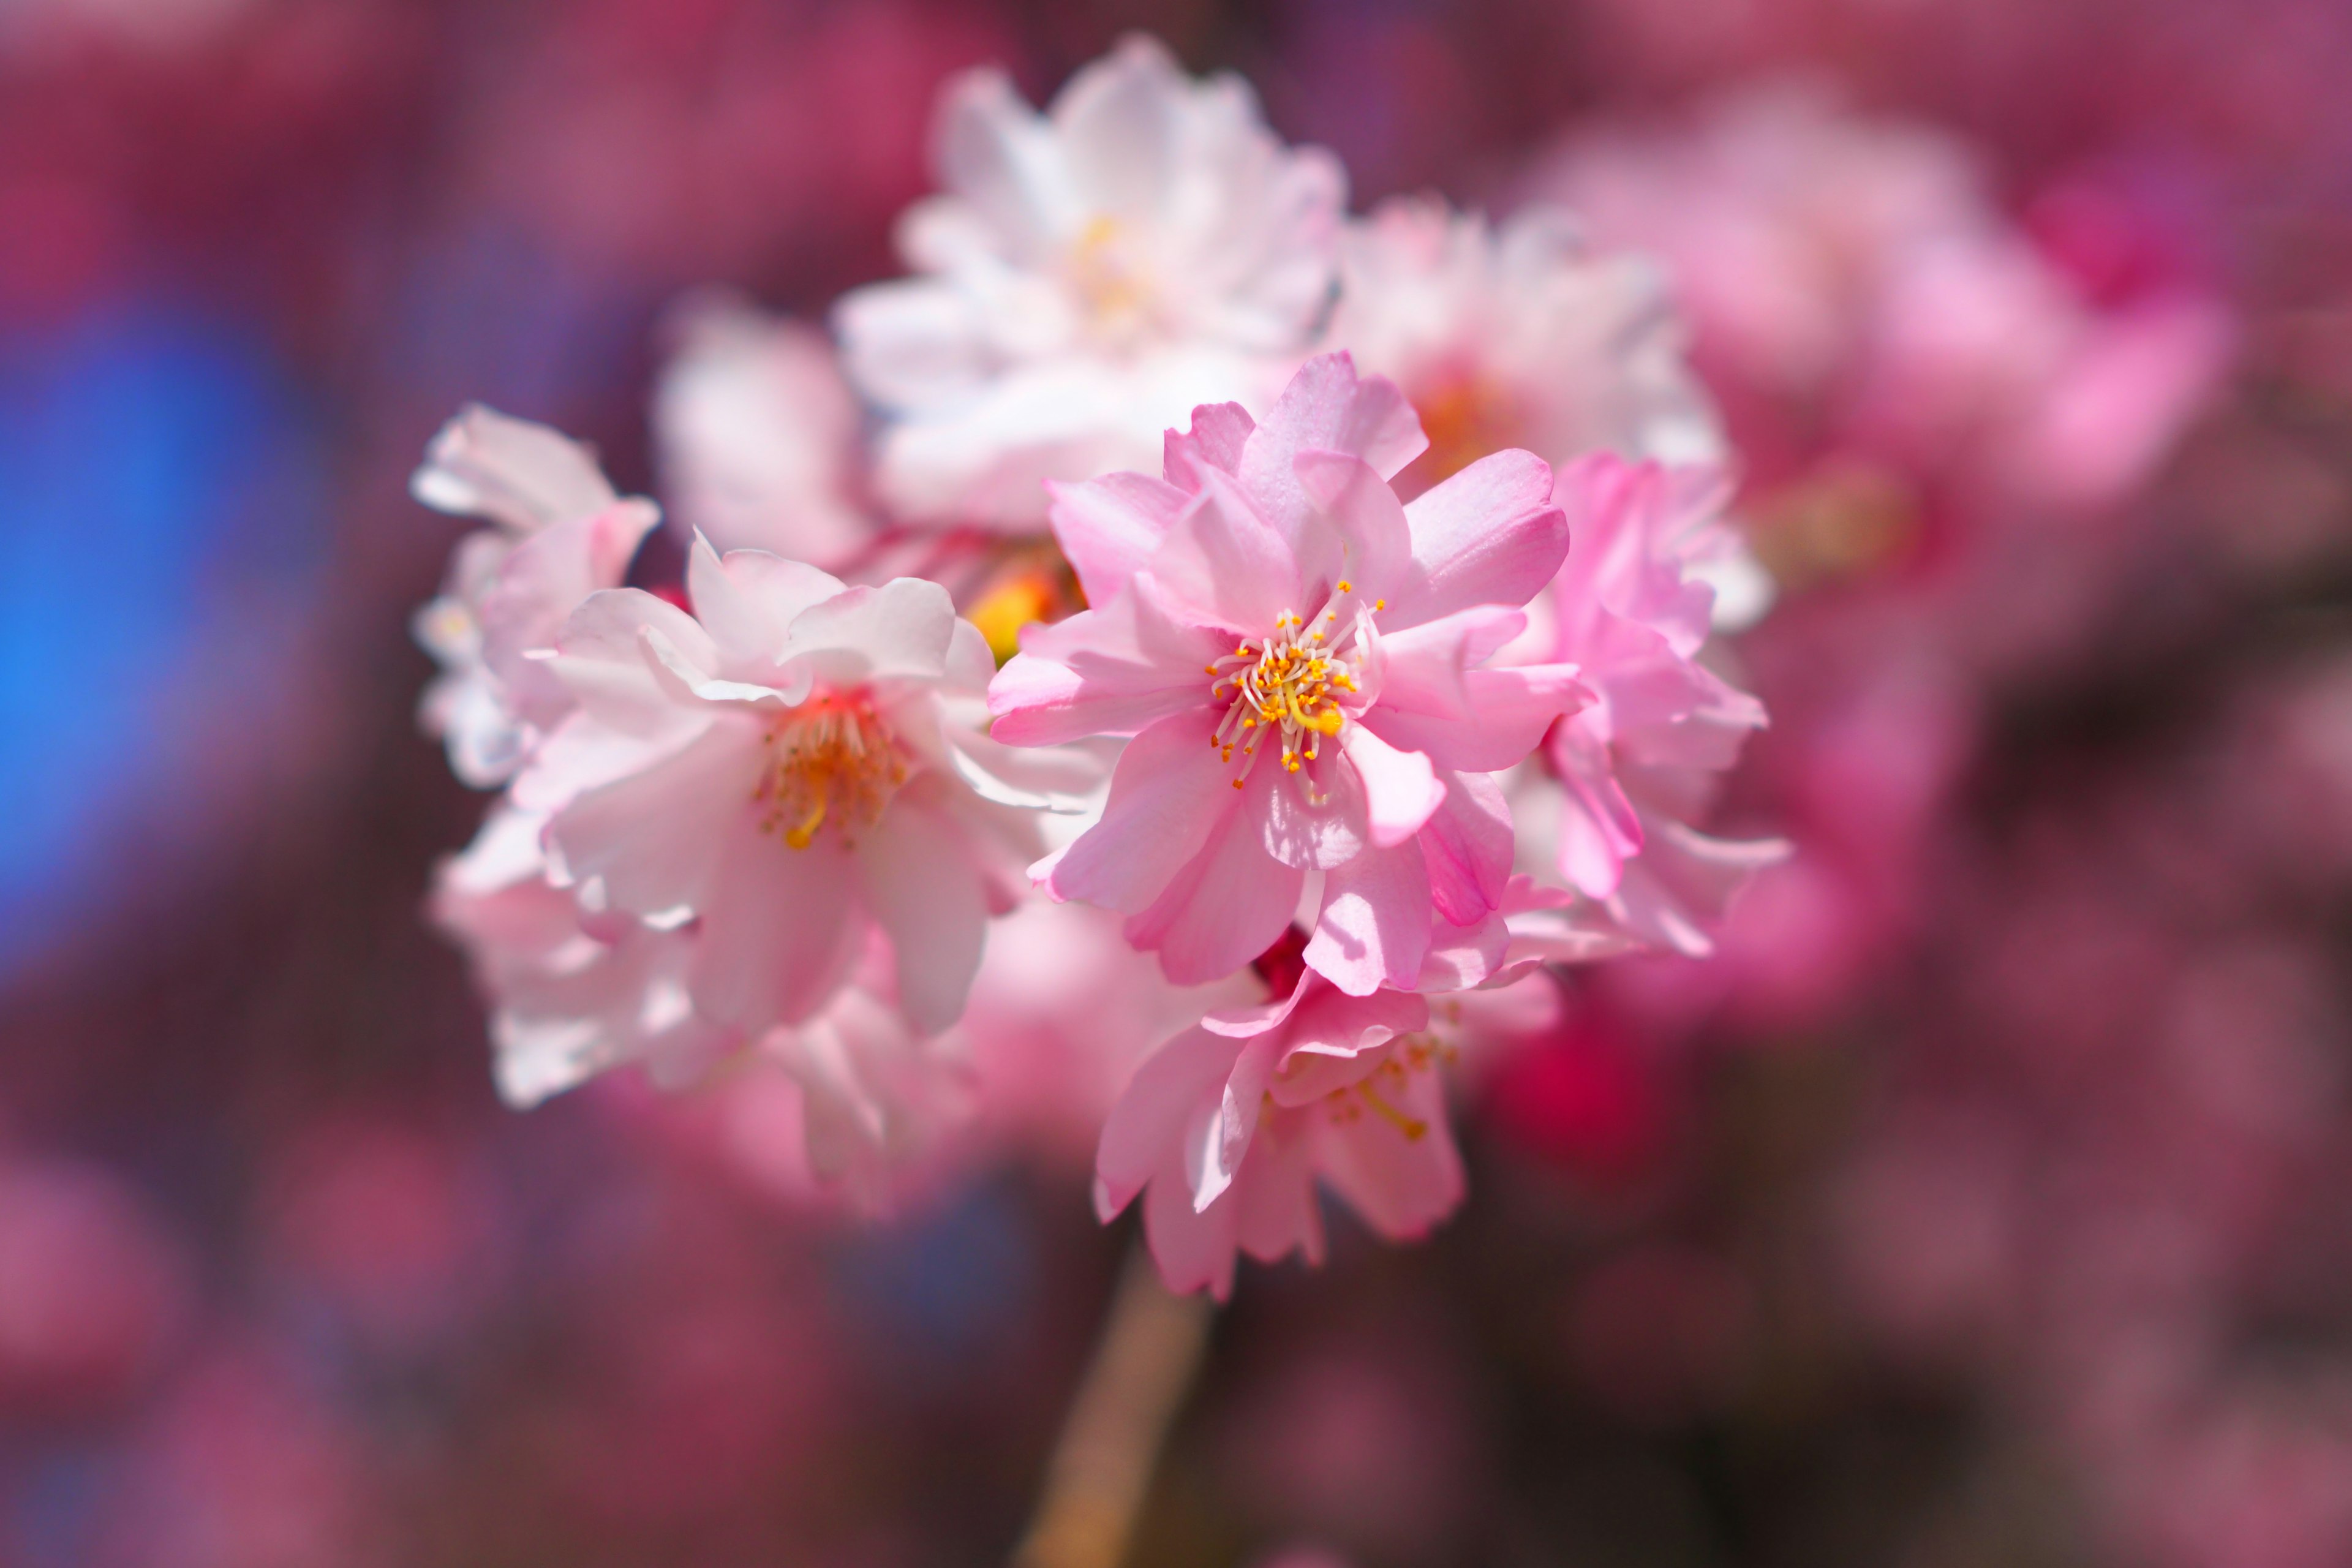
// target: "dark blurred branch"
[[1152, 1347]]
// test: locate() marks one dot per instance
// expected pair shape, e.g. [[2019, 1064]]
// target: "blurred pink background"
[[1982, 1201]]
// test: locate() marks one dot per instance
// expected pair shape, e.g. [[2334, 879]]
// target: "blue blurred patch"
[[149, 459], [942, 1291]]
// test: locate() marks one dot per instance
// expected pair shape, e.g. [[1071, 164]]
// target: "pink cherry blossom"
[[1607, 806], [759, 437], [1226, 1130], [1300, 660], [791, 770], [567, 1002], [561, 533], [571, 997], [1089, 275], [1517, 335]]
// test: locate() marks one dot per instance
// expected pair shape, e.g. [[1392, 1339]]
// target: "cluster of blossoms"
[[1393, 685]]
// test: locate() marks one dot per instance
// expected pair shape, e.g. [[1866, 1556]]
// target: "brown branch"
[[1152, 1347]]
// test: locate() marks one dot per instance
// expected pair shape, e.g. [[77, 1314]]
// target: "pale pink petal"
[[1226, 906], [902, 630], [1313, 835], [1401, 1180], [1212, 1164], [1509, 711], [1461, 956], [748, 600], [1467, 846], [1332, 1028], [1194, 1251], [1375, 554], [988, 148], [920, 880], [779, 929], [600, 655], [1168, 793], [1401, 789], [1108, 671], [1424, 669], [911, 342], [518, 474], [1119, 123], [1277, 1211], [657, 838], [1684, 880], [1111, 526], [1215, 440], [1176, 1084], [1222, 560], [1488, 535], [1599, 830], [1374, 927], [1326, 406]]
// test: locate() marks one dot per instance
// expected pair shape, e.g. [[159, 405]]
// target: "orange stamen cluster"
[[1291, 683], [832, 760]]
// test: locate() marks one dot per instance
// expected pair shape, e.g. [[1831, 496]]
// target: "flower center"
[[829, 760], [1104, 269], [1375, 1093], [1465, 416], [1290, 684]]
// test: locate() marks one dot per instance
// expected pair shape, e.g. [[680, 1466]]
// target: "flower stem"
[[1152, 1347]]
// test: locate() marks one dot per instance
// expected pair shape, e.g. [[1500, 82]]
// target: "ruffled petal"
[[1511, 710], [1110, 671], [1168, 793], [1227, 905], [1401, 789], [920, 880], [779, 926], [1110, 527], [515, 473], [1488, 535], [1224, 560], [1374, 925]]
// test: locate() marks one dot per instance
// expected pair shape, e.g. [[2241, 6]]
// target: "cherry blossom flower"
[[791, 770], [1605, 808], [1090, 274], [571, 997], [1227, 1128], [760, 440], [1062, 1012], [560, 534], [1300, 661], [566, 1001], [1517, 335]]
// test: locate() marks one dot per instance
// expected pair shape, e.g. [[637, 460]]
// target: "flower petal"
[[1509, 711], [1109, 527], [1227, 905], [1400, 788], [902, 630], [1224, 560], [1169, 794], [518, 474], [920, 880], [1326, 406], [1114, 671], [1365, 518], [780, 928], [1218, 433], [1375, 926], [1488, 535], [1467, 846], [1175, 1084]]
